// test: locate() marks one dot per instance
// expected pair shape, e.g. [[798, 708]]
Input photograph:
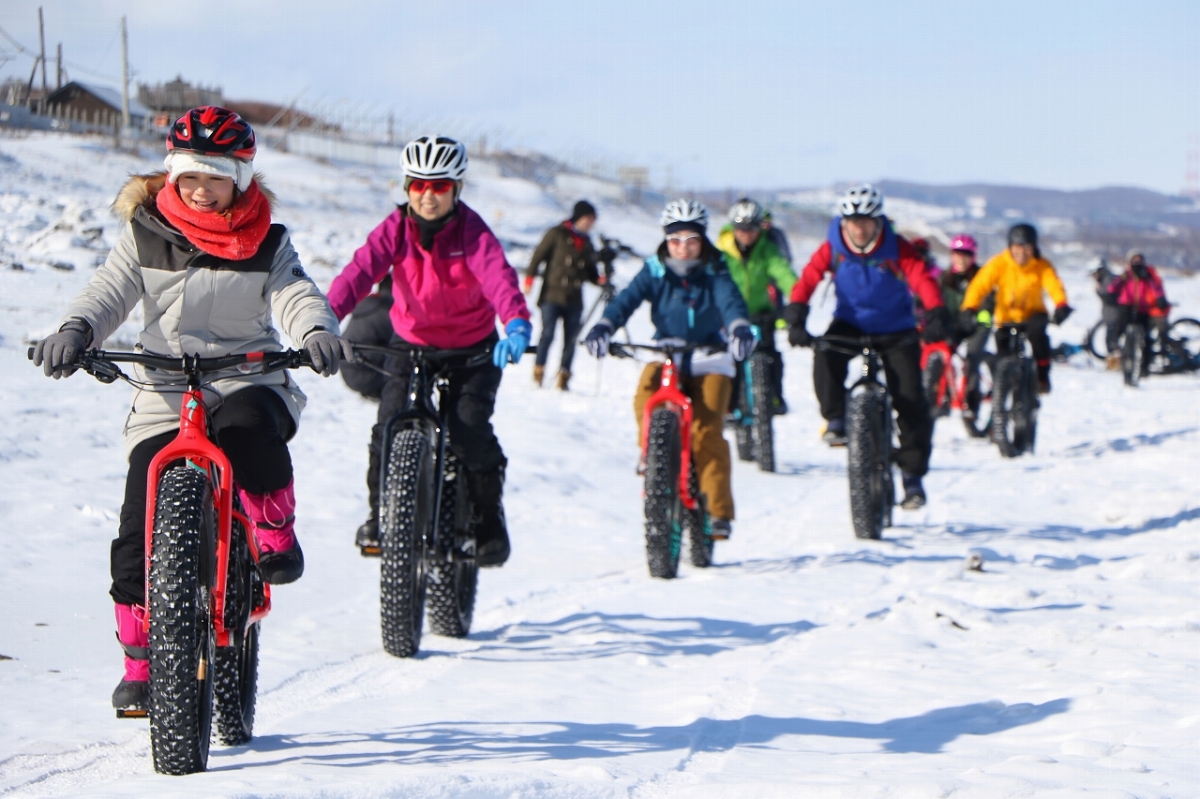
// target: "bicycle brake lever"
[[102, 371]]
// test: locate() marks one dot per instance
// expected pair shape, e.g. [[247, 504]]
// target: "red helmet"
[[964, 243], [212, 130]]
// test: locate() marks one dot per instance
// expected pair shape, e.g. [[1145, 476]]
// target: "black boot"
[[131, 699], [491, 532]]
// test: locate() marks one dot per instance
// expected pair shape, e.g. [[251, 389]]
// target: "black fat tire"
[[1096, 342], [181, 633], [1133, 354], [1014, 407], [664, 508], [869, 463], [745, 440], [451, 585], [762, 386], [931, 379], [235, 667], [405, 513], [1183, 345], [696, 527]]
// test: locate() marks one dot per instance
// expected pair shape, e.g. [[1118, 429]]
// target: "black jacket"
[[568, 266]]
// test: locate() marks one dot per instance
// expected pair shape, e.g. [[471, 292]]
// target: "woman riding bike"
[[1137, 293], [1019, 275], [693, 300], [953, 282], [450, 280], [199, 252]]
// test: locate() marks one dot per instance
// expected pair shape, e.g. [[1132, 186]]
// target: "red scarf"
[[576, 236], [234, 235]]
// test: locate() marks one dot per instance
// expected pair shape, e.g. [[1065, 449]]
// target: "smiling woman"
[[206, 193]]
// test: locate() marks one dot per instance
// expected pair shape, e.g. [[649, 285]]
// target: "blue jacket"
[[695, 308]]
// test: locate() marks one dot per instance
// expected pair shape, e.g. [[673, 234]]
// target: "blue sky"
[[1056, 93]]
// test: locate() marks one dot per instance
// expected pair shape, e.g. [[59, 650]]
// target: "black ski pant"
[[902, 369], [472, 399], [1122, 315], [572, 322], [252, 427]]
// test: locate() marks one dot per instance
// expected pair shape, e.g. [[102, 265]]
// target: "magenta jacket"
[[446, 299]]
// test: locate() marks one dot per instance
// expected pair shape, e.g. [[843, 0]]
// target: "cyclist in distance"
[[570, 261], [1137, 292], [755, 261], [954, 282], [776, 235], [692, 300], [199, 252], [876, 274], [450, 280], [1019, 275]]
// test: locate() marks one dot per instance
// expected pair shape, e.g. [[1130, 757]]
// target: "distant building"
[[172, 100], [89, 102]]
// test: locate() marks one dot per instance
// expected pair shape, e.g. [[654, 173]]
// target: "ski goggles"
[[682, 238], [440, 186]]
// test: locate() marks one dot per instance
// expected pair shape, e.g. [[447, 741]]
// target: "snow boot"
[[280, 559], [834, 433], [1113, 362], [492, 547], [367, 537], [914, 492], [720, 529], [539, 374], [561, 381], [1043, 377], [131, 699]]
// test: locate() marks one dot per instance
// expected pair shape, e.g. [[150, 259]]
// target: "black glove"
[[936, 323], [742, 342], [1162, 304], [1061, 313], [598, 338], [327, 351], [56, 354], [796, 316], [968, 321]]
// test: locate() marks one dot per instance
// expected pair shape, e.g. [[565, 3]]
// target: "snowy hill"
[[806, 663]]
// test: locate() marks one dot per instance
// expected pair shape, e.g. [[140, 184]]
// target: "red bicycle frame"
[[951, 382], [670, 395], [194, 446]]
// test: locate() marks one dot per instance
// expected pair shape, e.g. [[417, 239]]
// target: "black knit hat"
[[1023, 234], [583, 208]]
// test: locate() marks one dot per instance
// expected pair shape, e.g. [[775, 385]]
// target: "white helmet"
[[746, 214], [682, 210], [863, 200], [433, 157]]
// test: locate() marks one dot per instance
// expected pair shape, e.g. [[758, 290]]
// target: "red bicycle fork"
[[669, 394], [193, 446], [947, 382]]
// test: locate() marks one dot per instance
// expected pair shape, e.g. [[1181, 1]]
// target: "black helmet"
[[1023, 234]]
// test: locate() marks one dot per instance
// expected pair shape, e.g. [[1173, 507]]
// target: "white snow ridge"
[[804, 663]]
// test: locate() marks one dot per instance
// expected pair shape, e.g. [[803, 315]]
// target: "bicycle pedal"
[[370, 551], [132, 713]]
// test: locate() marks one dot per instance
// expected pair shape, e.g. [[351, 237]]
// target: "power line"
[[26, 51]]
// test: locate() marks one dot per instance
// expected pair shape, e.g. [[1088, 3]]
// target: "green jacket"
[[765, 264]]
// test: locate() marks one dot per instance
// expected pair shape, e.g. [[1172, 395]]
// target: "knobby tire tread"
[[763, 387], [451, 586], [180, 631], [1007, 410], [696, 527], [868, 457], [931, 381], [406, 508], [664, 509], [235, 667]]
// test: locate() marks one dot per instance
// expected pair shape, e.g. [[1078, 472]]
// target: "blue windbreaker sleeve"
[[632, 296]]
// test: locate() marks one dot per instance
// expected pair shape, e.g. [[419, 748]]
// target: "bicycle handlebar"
[[621, 349], [101, 364], [856, 344]]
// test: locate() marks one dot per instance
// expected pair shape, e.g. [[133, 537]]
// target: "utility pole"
[[59, 82], [124, 75], [42, 36]]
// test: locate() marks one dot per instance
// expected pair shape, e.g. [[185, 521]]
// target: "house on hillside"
[[175, 98], [94, 104]]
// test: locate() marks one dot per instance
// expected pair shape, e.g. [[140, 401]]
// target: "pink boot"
[[132, 694], [274, 516]]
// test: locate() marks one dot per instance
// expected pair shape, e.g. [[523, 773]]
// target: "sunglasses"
[[438, 186], [677, 239]]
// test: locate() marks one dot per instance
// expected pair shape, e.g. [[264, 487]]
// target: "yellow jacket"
[[1018, 288]]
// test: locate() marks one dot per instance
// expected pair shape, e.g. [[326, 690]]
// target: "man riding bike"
[[1138, 292], [754, 263], [693, 300], [1019, 275], [199, 252], [876, 274], [450, 280], [953, 283]]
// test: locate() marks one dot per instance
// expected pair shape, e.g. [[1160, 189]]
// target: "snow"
[[805, 663]]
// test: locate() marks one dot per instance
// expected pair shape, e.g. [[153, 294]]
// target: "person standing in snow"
[[692, 299], [876, 274], [450, 280], [199, 252], [1137, 293], [570, 261], [1019, 275], [755, 262]]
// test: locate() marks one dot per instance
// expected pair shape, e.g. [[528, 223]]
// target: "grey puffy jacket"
[[197, 304]]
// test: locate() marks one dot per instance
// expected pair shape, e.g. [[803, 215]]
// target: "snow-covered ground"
[[806, 663]]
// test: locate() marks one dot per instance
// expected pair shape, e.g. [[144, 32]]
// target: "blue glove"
[[742, 341], [598, 339], [511, 349]]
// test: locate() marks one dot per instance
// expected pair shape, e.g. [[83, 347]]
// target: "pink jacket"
[[446, 299], [1145, 295]]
